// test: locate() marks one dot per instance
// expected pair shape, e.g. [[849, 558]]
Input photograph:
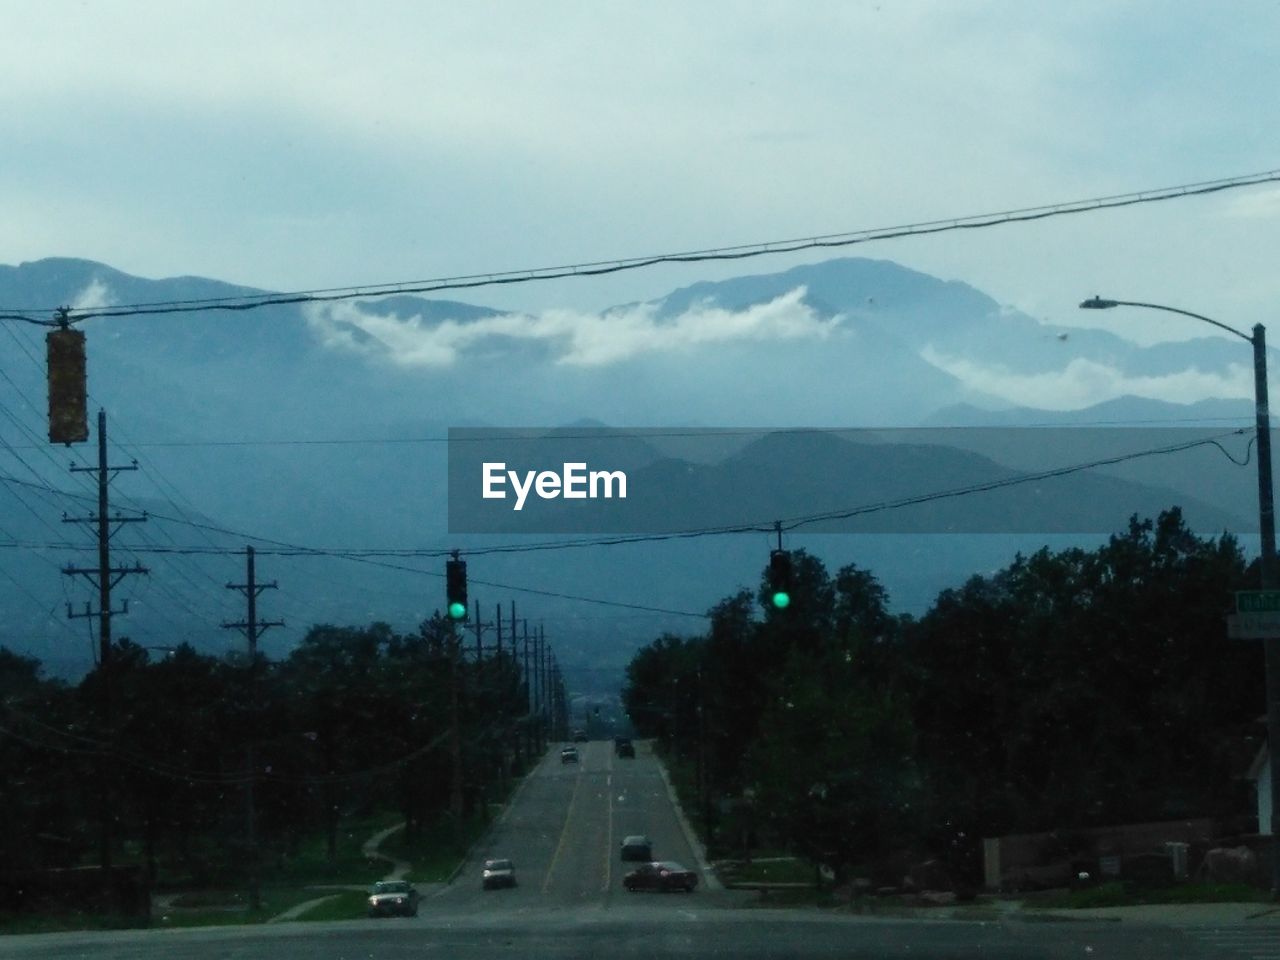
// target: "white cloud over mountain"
[[574, 338], [1082, 382]]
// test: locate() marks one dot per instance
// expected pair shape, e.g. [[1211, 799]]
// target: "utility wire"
[[369, 555], [602, 267]]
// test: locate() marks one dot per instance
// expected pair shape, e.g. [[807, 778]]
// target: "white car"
[[498, 873], [392, 898]]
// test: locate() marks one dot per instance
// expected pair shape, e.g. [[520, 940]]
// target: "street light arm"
[[1098, 303]]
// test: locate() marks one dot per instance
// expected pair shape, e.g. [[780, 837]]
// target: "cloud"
[[1255, 205], [573, 338], [1082, 383], [94, 296]]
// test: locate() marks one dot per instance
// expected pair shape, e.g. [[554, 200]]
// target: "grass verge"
[[439, 849], [349, 905], [772, 870], [19, 923], [311, 863], [275, 901]]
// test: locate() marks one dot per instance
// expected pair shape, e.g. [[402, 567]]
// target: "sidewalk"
[[370, 849]]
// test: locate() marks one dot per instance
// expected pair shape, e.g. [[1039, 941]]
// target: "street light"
[[1267, 524]]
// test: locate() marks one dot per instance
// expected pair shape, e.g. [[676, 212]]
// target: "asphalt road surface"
[[563, 831]]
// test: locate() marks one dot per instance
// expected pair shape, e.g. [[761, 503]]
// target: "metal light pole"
[[1267, 529]]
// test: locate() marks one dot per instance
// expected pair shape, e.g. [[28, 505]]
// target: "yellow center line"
[[568, 818]]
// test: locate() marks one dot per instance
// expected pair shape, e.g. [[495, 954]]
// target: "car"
[[637, 847], [569, 755], [498, 873], [623, 747], [661, 875], [393, 898], [579, 736]]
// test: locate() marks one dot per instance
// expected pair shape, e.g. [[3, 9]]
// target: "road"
[[563, 830]]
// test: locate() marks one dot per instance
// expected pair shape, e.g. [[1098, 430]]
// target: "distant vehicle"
[[569, 755], [623, 747], [393, 898], [637, 847], [665, 875], [579, 736], [498, 873]]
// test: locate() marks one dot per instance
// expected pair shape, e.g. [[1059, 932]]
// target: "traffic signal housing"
[[68, 396], [455, 588], [780, 579]]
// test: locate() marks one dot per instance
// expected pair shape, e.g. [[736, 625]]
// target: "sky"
[[301, 145], [296, 145]]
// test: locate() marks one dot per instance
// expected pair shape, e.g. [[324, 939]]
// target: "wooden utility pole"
[[252, 628], [104, 577], [455, 733], [546, 684], [530, 693]]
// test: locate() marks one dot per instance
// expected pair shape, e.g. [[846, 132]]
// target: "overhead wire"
[[603, 267], [787, 524]]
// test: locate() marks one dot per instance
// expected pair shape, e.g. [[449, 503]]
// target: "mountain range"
[[323, 425]]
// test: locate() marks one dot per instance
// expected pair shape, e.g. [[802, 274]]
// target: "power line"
[[602, 267], [368, 554], [796, 522]]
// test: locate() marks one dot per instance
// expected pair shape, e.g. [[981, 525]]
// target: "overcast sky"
[[309, 144]]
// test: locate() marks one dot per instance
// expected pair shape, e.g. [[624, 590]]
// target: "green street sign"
[[1257, 601]]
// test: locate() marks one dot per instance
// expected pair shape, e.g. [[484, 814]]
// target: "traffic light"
[[780, 579], [455, 588], [68, 421]]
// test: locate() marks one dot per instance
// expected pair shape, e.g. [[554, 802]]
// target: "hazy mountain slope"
[[275, 388]]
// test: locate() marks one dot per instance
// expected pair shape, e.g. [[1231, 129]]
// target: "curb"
[[695, 844]]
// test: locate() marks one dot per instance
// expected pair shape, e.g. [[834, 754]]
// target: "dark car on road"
[[637, 847], [579, 736], [393, 898], [623, 747], [665, 875], [569, 755], [498, 873]]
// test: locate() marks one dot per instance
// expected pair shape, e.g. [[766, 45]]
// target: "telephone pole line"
[[105, 577], [528, 696], [455, 733], [252, 628]]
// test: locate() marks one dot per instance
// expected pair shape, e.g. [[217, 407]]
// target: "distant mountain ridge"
[[338, 444]]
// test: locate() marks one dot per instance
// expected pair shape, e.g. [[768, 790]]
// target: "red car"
[[662, 875]]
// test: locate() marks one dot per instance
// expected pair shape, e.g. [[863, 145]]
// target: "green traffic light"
[[457, 611], [781, 600]]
